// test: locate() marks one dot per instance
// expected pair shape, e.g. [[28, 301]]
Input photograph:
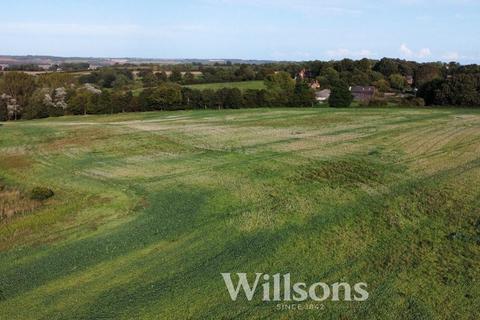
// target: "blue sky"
[[423, 30]]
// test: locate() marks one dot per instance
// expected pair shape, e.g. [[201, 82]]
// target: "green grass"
[[150, 208], [243, 85]]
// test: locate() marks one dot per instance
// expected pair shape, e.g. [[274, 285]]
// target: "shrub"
[[412, 102], [41, 193], [378, 102], [340, 97]]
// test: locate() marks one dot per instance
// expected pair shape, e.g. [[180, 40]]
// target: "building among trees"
[[363, 93], [323, 95]]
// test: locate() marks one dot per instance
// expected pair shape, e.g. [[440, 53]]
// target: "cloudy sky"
[[423, 30]]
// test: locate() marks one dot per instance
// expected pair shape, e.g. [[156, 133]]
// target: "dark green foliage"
[[341, 97], [24, 67], [83, 102], [3, 110], [230, 98], [387, 67], [176, 76], [56, 80], [167, 96], [105, 104], [246, 73], [191, 99], [397, 81], [18, 85], [439, 84], [460, 89], [255, 98], [149, 80], [109, 77], [121, 101], [41, 193], [412, 102], [36, 108], [280, 89], [376, 102], [426, 73], [161, 77], [189, 78], [303, 95], [80, 66], [208, 98]]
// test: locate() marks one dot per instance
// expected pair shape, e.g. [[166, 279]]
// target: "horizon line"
[[232, 59]]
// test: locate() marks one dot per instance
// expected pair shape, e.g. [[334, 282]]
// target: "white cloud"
[[409, 53], [365, 53], [424, 53], [451, 56], [406, 51]]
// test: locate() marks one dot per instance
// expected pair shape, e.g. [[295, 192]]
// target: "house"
[[323, 95], [315, 85], [409, 80], [44, 66], [303, 74], [361, 93]]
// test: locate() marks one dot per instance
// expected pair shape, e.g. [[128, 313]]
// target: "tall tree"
[[176, 75], [426, 73], [397, 81], [341, 97], [3, 110], [280, 87], [303, 95], [387, 67], [18, 85], [167, 96]]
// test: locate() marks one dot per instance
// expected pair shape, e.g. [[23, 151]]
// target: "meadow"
[[150, 208], [242, 85]]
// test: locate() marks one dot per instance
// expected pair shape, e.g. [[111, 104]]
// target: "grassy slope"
[[151, 208]]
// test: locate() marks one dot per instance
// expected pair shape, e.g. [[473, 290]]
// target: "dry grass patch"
[[78, 138], [15, 162], [13, 202]]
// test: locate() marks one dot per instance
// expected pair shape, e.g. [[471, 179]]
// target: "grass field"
[[243, 85], [150, 208]]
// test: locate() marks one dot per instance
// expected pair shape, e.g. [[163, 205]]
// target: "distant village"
[[360, 93]]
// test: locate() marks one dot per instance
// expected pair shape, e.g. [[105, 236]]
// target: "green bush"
[[41, 193], [413, 102], [341, 96]]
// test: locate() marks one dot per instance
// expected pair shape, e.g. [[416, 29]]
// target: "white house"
[[323, 95]]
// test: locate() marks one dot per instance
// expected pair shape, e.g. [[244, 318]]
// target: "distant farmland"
[[150, 208]]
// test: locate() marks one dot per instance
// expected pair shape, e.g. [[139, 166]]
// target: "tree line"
[[119, 89], [56, 94]]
